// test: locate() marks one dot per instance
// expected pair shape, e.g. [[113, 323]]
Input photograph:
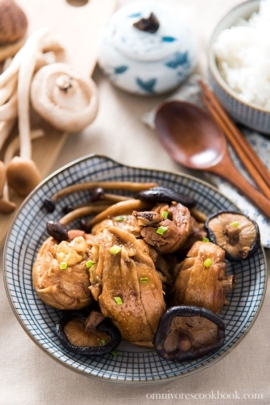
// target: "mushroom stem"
[[9, 109], [26, 71], [14, 145], [6, 206], [64, 82], [5, 129], [11, 49], [198, 215], [13, 68], [22, 175], [113, 185], [228, 283], [2, 177], [123, 207], [7, 90], [79, 212]]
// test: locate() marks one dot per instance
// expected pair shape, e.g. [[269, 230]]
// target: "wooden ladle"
[[193, 139]]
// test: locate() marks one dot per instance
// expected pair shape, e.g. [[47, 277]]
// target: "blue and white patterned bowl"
[[133, 364], [147, 63], [250, 115]]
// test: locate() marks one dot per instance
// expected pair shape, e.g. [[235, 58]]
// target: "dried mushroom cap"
[[236, 233], [188, 332], [166, 195], [92, 336]]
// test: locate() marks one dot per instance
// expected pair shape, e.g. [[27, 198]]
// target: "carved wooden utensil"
[[193, 139]]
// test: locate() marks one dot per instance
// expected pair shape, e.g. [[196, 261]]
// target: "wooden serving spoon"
[[193, 139]]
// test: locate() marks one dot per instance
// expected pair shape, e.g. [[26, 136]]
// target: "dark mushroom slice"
[[94, 335], [165, 195], [188, 332], [235, 232]]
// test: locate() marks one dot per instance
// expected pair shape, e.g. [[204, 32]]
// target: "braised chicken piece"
[[167, 227], [60, 273], [126, 222], [202, 280], [126, 284]]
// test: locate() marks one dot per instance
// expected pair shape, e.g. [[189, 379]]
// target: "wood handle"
[[261, 178], [245, 152], [229, 172]]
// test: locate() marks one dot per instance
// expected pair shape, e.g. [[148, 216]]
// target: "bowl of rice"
[[239, 64]]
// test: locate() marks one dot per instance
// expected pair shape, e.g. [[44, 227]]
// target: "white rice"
[[243, 57]]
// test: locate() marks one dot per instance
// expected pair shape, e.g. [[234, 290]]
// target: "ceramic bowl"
[[248, 114], [133, 364], [144, 62]]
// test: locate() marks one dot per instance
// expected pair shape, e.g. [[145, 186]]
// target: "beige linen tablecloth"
[[30, 377]]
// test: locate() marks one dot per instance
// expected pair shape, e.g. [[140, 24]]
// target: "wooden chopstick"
[[247, 155]]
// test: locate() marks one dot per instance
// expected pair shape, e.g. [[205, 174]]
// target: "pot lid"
[[171, 35]]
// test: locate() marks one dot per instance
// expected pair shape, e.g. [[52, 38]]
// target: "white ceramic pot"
[[146, 62]]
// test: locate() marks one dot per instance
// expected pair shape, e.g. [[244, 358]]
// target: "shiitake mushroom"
[[56, 230], [91, 335], [162, 194], [235, 232], [188, 332]]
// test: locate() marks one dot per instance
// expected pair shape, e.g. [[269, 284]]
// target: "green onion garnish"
[[235, 224], [207, 263], [102, 342], [162, 229], [118, 300], [119, 218], [115, 249], [115, 353], [205, 239], [144, 280], [63, 265], [164, 214], [89, 264]]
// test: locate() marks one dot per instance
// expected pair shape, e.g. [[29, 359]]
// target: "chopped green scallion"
[[115, 353], [89, 264], [205, 239], [207, 263], [63, 265], [114, 250], [118, 300], [102, 342], [119, 218], [164, 214], [235, 224], [144, 280], [161, 230]]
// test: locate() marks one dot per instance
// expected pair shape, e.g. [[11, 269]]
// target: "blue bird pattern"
[[180, 59], [120, 69], [147, 86], [168, 39]]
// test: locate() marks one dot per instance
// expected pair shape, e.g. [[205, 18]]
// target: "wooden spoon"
[[193, 139]]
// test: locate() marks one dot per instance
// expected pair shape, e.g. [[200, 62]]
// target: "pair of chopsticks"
[[246, 154]]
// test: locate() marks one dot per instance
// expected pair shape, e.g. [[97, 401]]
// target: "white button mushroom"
[[66, 100]]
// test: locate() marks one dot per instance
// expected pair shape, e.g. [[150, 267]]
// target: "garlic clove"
[[13, 22]]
